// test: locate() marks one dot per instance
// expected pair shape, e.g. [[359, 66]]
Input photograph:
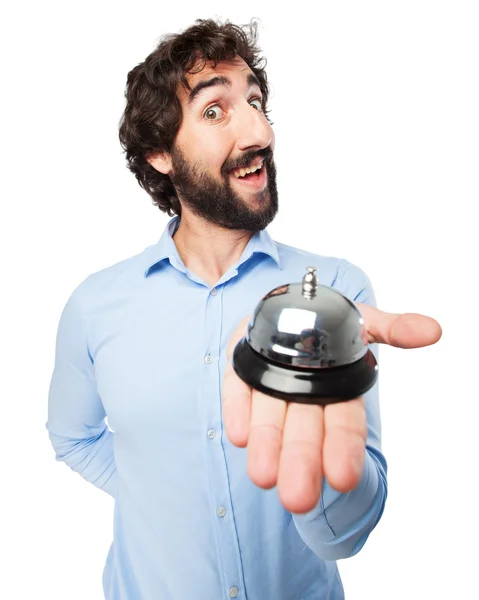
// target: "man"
[[220, 492]]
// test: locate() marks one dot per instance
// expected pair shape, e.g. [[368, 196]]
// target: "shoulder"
[[110, 282], [342, 274]]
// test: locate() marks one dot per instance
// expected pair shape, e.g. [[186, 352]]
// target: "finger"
[[300, 468], [408, 330], [265, 437], [236, 407], [236, 395], [345, 434]]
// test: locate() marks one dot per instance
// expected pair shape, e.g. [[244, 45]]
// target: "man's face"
[[224, 129]]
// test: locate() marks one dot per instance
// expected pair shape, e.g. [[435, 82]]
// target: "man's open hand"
[[293, 445]]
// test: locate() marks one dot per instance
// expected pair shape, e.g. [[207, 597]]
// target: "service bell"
[[306, 343]]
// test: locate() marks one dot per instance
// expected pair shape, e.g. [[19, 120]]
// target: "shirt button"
[[213, 291], [221, 511], [211, 433], [208, 359], [233, 592]]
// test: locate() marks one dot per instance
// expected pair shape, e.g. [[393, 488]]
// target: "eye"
[[212, 113], [256, 102]]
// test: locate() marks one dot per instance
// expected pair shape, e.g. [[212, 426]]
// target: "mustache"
[[246, 159]]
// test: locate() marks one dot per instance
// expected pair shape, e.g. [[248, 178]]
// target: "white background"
[[375, 107]]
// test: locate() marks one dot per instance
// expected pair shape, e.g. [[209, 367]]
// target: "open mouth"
[[252, 174]]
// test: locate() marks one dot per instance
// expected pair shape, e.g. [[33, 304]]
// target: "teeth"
[[242, 172]]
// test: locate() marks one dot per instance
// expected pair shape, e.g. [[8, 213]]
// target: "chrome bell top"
[[307, 325]]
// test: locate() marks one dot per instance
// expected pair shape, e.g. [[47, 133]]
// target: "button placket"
[[211, 404]]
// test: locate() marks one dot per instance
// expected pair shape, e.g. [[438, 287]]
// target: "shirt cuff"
[[340, 524]]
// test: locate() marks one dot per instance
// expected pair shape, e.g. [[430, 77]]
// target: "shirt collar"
[[260, 243]]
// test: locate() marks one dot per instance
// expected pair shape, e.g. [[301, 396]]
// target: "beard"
[[216, 201]]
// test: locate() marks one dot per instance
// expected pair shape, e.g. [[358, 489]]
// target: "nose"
[[254, 130]]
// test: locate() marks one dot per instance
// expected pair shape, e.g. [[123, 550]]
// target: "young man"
[[220, 492]]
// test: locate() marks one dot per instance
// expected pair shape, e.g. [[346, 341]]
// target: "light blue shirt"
[[143, 342]]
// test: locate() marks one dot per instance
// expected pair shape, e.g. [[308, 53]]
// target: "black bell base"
[[307, 386]]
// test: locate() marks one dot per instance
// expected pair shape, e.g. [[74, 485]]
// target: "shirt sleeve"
[[340, 524], [76, 417]]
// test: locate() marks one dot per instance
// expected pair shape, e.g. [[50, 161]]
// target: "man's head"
[[196, 113]]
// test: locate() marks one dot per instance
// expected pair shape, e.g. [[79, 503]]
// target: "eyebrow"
[[220, 80]]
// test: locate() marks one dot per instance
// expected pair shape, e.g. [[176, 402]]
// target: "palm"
[[294, 445]]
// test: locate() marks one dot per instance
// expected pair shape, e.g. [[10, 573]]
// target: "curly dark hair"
[[153, 113]]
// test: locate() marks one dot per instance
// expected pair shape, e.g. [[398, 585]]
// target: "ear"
[[161, 161]]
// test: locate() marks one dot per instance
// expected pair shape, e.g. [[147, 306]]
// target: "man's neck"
[[206, 249]]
